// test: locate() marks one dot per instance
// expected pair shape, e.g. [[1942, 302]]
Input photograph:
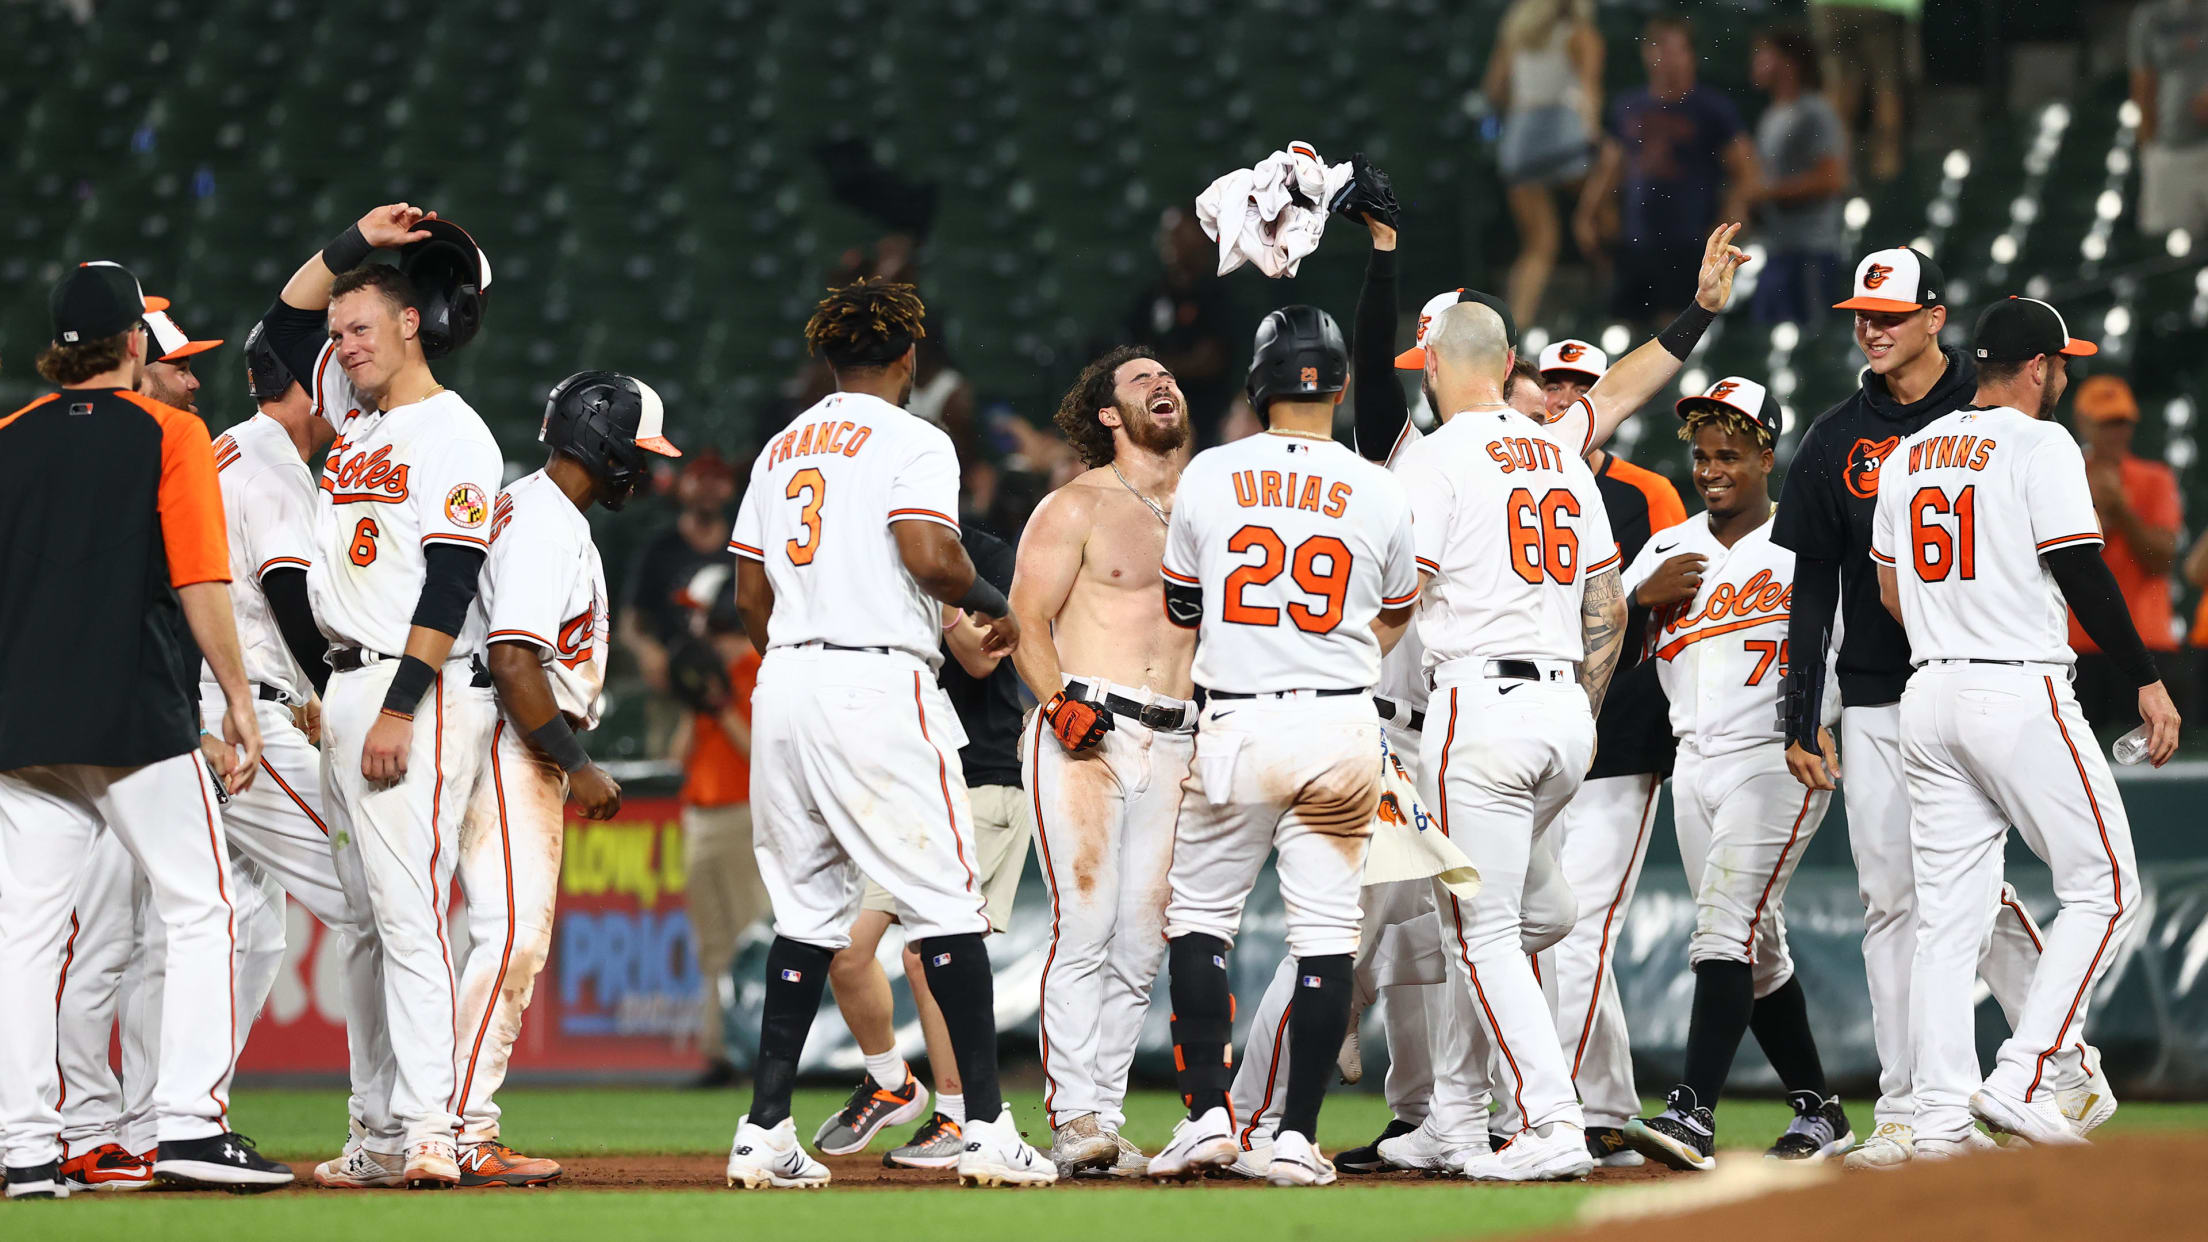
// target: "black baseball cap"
[[2019, 329], [97, 300]]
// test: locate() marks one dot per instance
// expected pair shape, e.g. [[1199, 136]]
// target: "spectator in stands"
[[1546, 75], [1679, 154], [1186, 319], [659, 611], [2169, 83], [2137, 503], [1870, 48], [1800, 144], [724, 891]]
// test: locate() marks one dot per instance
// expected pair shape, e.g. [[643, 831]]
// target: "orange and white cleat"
[[495, 1164], [108, 1167]]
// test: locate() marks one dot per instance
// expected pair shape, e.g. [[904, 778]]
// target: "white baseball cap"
[[1898, 280], [170, 344], [1741, 395], [1414, 358], [1574, 357]]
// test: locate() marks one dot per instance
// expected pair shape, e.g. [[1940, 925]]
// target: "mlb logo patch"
[[793, 976], [1218, 961], [940, 959], [1311, 981]]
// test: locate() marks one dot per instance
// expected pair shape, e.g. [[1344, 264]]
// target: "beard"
[[1144, 432]]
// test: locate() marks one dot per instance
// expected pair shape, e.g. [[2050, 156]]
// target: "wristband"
[[408, 685], [346, 251], [1683, 333], [982, 597], [557, 740]]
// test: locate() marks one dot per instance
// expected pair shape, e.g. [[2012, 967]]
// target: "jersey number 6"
[[1331, 586], [363, 551], [806, 482], [1541, 546]]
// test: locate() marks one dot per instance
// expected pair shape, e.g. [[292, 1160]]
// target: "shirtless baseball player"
[[1720, 590], [1292, 558], [1104, 756], [847, 548], [1984, 536], [1909, 379], [543, 613], [408, 716]]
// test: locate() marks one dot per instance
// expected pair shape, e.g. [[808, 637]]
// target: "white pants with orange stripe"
[[396, 846], [1743, 822], [1987, 746], [1604, 839], [855, 771], [1878, 802], [510, 876], [1501, 758], [1104, 835], [51, 818]]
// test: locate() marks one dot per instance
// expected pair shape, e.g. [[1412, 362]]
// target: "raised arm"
[[1640, 375], [1382, 413]]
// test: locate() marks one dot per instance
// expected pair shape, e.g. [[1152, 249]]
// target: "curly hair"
[[1076, 417], [870, 322], [79, 361], [1731, 422]]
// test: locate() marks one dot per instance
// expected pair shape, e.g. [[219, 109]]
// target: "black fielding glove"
[[1369, 193]]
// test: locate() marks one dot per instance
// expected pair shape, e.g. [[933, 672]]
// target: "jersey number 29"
[[1330, 585]]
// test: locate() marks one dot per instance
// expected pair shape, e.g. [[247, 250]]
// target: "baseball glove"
[[1368, 193], [697, 678]]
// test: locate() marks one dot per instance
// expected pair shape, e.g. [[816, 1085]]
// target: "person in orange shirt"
[[726, 895], [2137, 503]]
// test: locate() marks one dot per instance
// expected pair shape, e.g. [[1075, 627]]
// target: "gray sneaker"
[[1818, 1132], [934, 1146]]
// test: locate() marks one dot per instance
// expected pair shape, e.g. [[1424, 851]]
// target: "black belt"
[[1522, 670], [267, 693], [841, 647], [354, 659], [1173, 718], [1282, 694], [1389, 707]]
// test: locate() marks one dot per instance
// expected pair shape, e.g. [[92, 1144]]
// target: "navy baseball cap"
[[97, 300], [2019, 329]]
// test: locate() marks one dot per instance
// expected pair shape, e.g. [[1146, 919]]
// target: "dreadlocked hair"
[[1092, 392], [870, 322], [1731, 422]]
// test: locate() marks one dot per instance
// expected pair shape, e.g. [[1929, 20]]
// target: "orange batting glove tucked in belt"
[[1076, 724]]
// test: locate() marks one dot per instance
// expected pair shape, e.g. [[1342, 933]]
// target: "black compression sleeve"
[[2091, 591], [448, 587], [1808, 631], [983, 597], [1184, 604], [1381, 411], [286, 589], [297, 336]]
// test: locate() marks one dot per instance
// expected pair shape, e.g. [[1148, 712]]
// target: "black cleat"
[[1819, 1131], [1683, 1136], [218, 1162], [1367, 1159], [37, 1181]]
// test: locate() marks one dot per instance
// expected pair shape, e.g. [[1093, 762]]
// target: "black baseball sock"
[[1724, 997], [796, 976], [1318, 1017], [1203, 1021], [1781, 1024], [965, 990]]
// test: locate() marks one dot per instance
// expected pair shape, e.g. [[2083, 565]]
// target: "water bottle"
[[2131, 748]]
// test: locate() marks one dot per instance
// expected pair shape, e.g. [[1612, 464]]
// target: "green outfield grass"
[[591, 1121]]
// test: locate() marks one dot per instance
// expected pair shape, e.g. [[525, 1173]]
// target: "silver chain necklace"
[[1153, 505]]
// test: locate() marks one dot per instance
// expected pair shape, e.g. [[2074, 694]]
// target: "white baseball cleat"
[[432, 1164], [1251, 1164], [1556, 1156], [1130, 1162], [1205, 1142], [2089, 1103], [1296, 1162], [2039, 1123], [1082, 1145], [1971, 1144], [1424, 1151], [763, 1159], [357, 1168], [1889, 1147], [996, 1155]]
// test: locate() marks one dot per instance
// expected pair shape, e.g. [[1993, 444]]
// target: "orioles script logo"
[[1864, 461], [1876, 276], [1571, 352], [576, 638], [363, 477], [1755, 602]]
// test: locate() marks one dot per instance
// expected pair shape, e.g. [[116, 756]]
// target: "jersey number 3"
[[814, 489], [1541, 546], [1331, 586], [1937, 553]]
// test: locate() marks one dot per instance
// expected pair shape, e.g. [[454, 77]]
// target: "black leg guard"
[[966, 991], [1203, 1021], [797, 974], [1318, 1018]]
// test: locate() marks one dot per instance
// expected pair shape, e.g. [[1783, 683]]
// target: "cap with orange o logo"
[[1898, 280], [1573, 359]]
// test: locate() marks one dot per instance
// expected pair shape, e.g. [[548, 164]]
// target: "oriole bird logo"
[[1864, 460], [1877, 275], [1572, 352]]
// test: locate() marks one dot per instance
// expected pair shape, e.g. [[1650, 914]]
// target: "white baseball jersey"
[[1297, 544], [1966, 508], [396, 481], [1509, 521], [543, 585], [268, 504], [1722, 655], [818, 513], [1573, 425]]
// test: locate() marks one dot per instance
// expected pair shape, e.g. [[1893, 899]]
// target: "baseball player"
[[1984, 537], [408, 716], [1825, 519], [1292, 558], [847, 546], [117, 588], [1104, 756], [1720, 589], [542, 609]]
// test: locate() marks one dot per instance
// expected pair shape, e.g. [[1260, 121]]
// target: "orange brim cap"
[[1878, 304]]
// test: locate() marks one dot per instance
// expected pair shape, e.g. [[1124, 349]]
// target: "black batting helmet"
[[452, 277], [607, 421], [1299, 353], [266, 376]]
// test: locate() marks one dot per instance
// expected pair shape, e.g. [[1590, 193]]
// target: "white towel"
[[1407, 843], [1255, 216]]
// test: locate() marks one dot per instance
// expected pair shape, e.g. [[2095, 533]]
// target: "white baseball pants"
[[1604, 831], [1744, 822]]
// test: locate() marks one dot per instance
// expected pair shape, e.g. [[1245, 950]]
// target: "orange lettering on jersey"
[[369, 477], [1501, 455], [1984, 454], [805, 441], [1310, 498], [835, 441], [501, 513], [1245, 488], [575, 636], [1270, 492], [1288, 493], [1337, 500], [852, 449], [1525, 453], [1758, 601]]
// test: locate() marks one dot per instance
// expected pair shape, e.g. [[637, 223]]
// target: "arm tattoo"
[[1602, 622]]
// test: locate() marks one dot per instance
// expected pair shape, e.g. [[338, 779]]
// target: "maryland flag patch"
[[464, 506]]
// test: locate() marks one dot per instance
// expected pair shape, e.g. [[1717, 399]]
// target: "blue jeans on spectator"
[[1798, 286]]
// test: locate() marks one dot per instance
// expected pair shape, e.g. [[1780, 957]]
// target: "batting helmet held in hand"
[[606, 421], [452, 277], [1299, 353]]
